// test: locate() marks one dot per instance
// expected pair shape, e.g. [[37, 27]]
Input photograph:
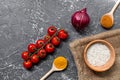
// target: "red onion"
[[80, 19]]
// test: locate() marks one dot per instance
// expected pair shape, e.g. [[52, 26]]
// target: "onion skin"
[[80, 19]]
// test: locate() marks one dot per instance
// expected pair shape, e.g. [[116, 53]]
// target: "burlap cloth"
[[84, 73]]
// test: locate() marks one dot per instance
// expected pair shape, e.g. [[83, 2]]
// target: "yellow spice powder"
[[106, 21], [60, 62]]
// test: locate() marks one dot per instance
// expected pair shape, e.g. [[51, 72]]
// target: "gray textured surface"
[[24, 21]]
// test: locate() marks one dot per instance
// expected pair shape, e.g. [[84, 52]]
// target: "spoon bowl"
[[107, 18], [54, 68]]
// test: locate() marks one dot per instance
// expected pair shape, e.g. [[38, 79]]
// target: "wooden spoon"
[[54, 68], [107, 19]]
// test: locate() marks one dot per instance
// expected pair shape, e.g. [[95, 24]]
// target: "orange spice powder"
[[60, 62], [106, 21]]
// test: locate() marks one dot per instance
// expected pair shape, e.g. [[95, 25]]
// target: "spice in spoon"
[[60, 62], [106, 21]]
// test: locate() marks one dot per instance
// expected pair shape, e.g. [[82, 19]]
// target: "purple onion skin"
[[80, 19]]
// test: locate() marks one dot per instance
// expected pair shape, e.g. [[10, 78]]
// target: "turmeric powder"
[[60, 62], [106, 21]]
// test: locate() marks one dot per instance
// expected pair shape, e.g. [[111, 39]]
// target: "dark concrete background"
[[24, 21]]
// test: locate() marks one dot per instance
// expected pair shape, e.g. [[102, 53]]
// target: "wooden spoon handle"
[[115, 7], [47, 74]]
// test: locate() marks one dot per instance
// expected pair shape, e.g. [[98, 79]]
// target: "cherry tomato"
[[35, 58], [49, 48], [46, 37], [62, 34], [42, 53], [27, 64], [55, 41], [25, 55], [40, 43], [32, 48], [52, 30]]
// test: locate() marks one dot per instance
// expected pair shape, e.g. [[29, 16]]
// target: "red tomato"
[[27, 64], [40, 43], [25, 55], [46, 37], [42, 53], [62, 34], [35, 58], [55, 41], [52, 30], [49, 48], [32, 48]]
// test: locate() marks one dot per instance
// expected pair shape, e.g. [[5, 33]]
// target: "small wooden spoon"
[[107, 19], [54, 68]]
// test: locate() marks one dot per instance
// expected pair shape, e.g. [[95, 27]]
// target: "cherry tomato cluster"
[[44, 46]]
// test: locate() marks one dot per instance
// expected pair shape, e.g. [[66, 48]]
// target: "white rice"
[[98, 54]]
